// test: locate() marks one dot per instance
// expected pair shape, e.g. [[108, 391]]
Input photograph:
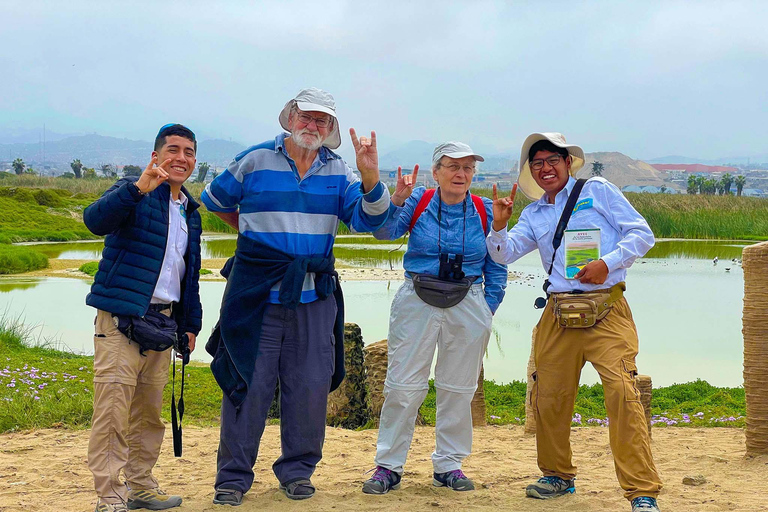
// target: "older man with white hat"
[[586, 317], [451, 290], [281, 312]]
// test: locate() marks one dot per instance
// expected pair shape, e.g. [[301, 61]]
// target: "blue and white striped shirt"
[[299, 216]]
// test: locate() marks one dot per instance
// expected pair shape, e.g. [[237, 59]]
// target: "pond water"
[[687, 309]]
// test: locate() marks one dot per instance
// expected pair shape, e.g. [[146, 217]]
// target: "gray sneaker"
[[382, 481], [152, 499], [644, 504], [455, 480], [110, 507], [550, 487]]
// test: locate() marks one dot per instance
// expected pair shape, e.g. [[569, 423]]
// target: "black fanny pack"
[[153, 331], [440, 293]]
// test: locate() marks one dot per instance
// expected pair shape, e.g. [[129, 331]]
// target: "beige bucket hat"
[[526, 182], [314, 100]]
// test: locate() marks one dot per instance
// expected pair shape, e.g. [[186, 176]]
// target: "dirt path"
[[46, 471]]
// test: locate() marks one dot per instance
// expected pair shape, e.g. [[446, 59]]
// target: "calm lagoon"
[[687, 309]]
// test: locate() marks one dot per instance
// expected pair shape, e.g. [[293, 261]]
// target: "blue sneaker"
[[550, 487], [455, 480], [382, 481], [644, 504]]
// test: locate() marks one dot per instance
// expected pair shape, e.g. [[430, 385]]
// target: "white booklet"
[[581, 247]]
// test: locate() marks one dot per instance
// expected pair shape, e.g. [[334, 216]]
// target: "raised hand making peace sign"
[[153, 175], [502, 208], [404, 187], [367, 159]]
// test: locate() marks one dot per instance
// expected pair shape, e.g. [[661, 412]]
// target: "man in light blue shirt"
[[620, 235]]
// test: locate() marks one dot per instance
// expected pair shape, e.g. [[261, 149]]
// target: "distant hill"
[[420, 152], [732, 160], [94, 150], [622, 170]]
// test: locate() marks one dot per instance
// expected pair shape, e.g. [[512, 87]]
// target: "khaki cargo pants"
[[126, 430], [611, 347]]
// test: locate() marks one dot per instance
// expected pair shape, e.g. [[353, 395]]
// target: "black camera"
[[181, 346], [450, 268]]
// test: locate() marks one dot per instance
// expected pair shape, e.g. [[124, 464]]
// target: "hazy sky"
[[645, 78]]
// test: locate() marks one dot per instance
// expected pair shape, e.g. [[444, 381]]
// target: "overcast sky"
[[645, 78]]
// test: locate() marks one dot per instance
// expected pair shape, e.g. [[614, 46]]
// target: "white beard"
[[300, 142]]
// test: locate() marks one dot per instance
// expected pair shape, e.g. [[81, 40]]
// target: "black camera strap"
[[176, 424], [559, 232]]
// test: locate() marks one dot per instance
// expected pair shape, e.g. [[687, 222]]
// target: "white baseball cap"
[[454, 149]]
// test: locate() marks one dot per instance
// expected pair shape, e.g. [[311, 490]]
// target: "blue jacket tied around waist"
[[250, 274], [136, 229]]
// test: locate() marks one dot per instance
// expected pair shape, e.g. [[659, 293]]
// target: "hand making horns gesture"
[[153, 175], [502, 208], [367, 159], [404, 187]]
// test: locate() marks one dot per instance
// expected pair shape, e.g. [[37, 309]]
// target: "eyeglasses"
[[537, 165], [468, 169], [320, 122]]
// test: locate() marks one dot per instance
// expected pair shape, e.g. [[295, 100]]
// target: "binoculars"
[[450, 268]]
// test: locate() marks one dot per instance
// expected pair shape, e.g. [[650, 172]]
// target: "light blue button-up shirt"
[[624, 233]]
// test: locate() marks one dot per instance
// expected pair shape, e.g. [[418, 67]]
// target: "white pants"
[[461, 334]]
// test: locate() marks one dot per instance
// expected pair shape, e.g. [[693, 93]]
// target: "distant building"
[[695, 168], [648, 189]]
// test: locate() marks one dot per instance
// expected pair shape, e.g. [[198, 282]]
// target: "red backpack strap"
[[480, 207], [421, 206]]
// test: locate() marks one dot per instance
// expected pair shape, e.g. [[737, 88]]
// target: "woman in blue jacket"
[[452, 289]]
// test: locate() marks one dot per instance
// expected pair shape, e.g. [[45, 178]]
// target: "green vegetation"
[[60, 202], [41, 387], [89, 268], [205, 272], [42, 214], [15, 259], [689, 216]]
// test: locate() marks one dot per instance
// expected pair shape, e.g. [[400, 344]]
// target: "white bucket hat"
[[526, 182], [314, 100], [454, 150]]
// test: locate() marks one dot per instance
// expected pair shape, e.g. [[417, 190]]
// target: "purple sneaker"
[[381, 482], [455, 480]]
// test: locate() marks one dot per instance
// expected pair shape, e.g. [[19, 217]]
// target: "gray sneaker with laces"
[[550, 487], [382, 481], [644, 504], [455, 480]]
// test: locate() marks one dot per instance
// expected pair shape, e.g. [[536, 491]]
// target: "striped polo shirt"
[[299, 216]]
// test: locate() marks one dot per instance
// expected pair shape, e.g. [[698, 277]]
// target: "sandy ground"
[[46, 470]]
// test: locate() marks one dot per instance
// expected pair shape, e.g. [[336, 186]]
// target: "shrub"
[[90, 268], [15, 259]]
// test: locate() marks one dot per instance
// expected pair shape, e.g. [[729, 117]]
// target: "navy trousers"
[[296, 348]]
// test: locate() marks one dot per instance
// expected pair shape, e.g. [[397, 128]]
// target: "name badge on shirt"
[[583, 205]]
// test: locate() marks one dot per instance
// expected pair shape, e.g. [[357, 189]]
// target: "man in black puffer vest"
[[151, 261]]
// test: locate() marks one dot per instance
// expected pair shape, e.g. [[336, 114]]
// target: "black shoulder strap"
[[563, 223]]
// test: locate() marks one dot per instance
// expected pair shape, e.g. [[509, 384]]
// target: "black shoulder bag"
[[558, 238]]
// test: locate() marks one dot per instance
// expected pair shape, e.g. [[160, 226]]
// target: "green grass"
[[41, 387], [205, 272], [90, 268], [58, 205], [15, 259]]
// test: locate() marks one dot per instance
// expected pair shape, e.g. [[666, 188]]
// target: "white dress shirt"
[[624, 233], [168, 287]]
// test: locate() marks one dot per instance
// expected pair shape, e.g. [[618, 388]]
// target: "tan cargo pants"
[[126, 430], [611, 347]]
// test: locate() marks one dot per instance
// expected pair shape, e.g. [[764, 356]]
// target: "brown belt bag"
[[583, 310]]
